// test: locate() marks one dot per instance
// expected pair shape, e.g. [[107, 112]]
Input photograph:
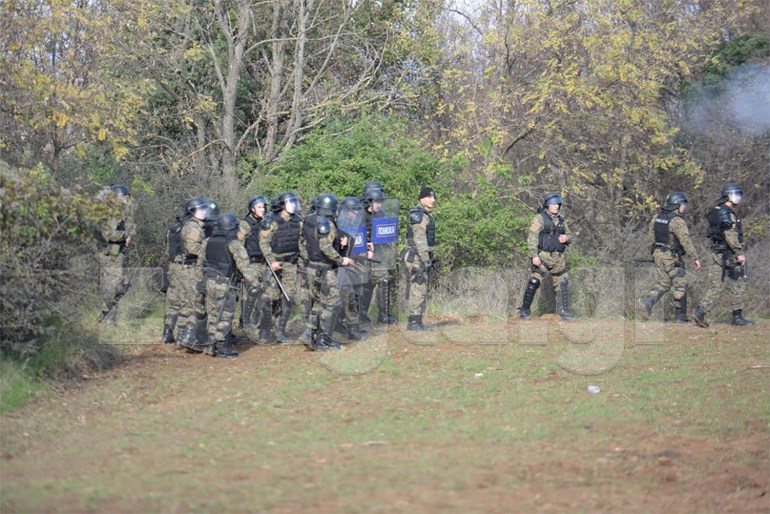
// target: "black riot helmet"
[[326, 204], [731, 187], [350, 203], [285, 201], [676, 198], [196, 202], [257, 200], [227, 225], [552, 198], [120, 190], [372, 195], [373, 185]]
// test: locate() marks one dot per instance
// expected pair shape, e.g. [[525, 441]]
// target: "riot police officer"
[[175, 272], [251, 293], [728, 261], [279, 241], [323, 242], [418, 258], [376, 259], [227, 263], [670, 241], [547, 242], [192, 317]]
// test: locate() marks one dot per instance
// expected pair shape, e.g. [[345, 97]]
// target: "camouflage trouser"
[[288, 276], [220, 306], [251, 296], [669, 274], [554, 263], [192, 312], [174, 294], [378, 286], [350, 283], [735, 285], [113, 284], [417, 292], [325, 294]]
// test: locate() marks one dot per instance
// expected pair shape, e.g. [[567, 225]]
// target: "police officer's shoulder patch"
[[323, 226], [415, 215]]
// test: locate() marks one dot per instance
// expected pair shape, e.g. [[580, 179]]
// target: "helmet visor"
[[292, 205], [735, 197]]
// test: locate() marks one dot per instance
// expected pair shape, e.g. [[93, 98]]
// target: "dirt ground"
[[431, 426]]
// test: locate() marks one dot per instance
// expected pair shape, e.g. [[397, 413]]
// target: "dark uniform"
[[227, 263], [418, 258], [351, 279], [322, 243], [114, 237], [279, 241], [543, 242], [670, 241], [192, 316], [725, 268]]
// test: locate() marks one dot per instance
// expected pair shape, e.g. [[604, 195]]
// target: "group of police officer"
[[726, 269], [275, 259]]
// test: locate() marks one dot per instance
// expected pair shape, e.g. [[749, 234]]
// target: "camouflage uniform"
[[723, 270], [672, 242], [544, 241], [553, 262], [419, 257], [320, 238], [115, 235], [192, 314], [283, 248], [252, 288], [377, 277], [221, 291]]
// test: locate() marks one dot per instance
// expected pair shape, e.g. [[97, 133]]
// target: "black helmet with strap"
[[326, 204], [257, 200], [551, 199]]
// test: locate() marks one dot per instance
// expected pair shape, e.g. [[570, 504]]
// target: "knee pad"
[[534, 283]]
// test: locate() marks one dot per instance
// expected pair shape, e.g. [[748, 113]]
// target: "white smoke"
[[747, 97], [741, 102]]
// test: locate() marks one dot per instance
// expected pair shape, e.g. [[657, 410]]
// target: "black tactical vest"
[[430, 230], [252, 242], [174, 239], [664, 239], [218, 257], [720, 220], [286, 239], [313, 241], [549, 235]]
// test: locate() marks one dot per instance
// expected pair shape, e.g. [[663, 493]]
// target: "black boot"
[[222, 349], [415, 324], [562, 301], [383, 303], [529, 295], [307, 337], [281, 335], [680, 316], [355, 333], [168, 335], [739, 320], [324, 343], [699, 317], [265, 324], [364, 302]]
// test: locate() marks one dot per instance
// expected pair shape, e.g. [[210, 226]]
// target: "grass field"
[[485, 415]]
